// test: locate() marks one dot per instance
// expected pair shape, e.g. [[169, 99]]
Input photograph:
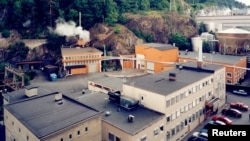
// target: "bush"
[[6, 33]]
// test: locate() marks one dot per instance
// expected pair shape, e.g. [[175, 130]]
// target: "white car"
[[200, 135]]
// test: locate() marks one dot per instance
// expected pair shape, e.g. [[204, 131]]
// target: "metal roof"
[[210, 57], [43, 116], [79, 50], [159, 46], [143, 117]]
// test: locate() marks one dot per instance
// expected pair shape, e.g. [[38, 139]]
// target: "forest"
[[31, 18]]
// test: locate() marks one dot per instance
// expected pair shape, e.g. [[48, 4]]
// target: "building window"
[[156, 132], [111, 137], [177, 128], [177, 98], [12, 122], [70, 136], [117, 139], [167, 103], [144, 138], [61, 139], [189, 119], [86, 129], [78, 132], [19, 129], [173, 131], [168, 119], [27, 137], [229, 81], [173, 101], [168, 135], [229, 74], [186, 122], [162, 128]]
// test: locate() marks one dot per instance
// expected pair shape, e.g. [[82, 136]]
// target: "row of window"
[[81, 62], [62, 139], [78, 133], [186, 108], [238, 73], [180, 126], [80, 57], [185, 94]]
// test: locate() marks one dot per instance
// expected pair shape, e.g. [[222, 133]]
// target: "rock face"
[[121, 40]]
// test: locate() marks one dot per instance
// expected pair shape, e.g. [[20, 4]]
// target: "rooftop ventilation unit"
[[131, 118], [107, 113], [58, 97], [172, 76]]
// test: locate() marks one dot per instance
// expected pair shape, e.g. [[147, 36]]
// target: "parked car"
[[239, 106], [240, 92], [231, 112], [192, 138], [211, 122], [200, 135], [222, 118], [203, 130]]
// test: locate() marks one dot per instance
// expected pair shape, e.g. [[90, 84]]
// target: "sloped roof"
[[235, 31]]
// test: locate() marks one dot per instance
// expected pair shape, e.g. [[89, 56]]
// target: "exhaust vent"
[[58, 97], [131, 118], [172, 76]]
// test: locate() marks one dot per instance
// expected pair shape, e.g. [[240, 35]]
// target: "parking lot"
[[244, 120]]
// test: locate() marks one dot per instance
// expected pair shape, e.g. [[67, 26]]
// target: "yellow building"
[[235, 65], [181, 95], [81, 60], [51, 117], [154, 57]]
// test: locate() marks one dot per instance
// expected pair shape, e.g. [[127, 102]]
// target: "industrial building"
[[80, 60], [154, 57], [50, 117]]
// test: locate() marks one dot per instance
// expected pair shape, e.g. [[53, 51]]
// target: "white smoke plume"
[[70, 29]]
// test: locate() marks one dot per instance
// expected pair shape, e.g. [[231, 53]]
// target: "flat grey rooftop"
[[43, 116], [160, 83], [110, 82], [20, 94], [159, 46], [118, 119], [215, 58]]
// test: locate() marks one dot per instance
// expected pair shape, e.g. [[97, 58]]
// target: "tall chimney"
[[200, 61], [80, 19]]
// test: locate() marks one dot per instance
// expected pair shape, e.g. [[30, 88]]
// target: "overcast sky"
[[247, 2]]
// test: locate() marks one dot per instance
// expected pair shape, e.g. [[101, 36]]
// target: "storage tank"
[[196, 43], [210, 26]]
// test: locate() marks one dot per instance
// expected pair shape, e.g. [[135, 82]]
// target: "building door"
[[150, 67]]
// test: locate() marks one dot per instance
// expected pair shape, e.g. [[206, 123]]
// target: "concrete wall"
[[148, 132]]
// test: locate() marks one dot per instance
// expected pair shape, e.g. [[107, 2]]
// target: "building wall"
[[88, 130], [153, 132], [158, 57], [16, 130], [92, 86], [82, 59]]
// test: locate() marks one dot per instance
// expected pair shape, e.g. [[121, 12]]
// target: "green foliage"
[[206, 47], [145, 37], [202, 28], [117, 30], [18, 51], [180, 41], [6, 33], [55, 42], [2, 66]]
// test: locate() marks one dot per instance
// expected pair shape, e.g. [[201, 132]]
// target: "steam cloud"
[[70, 29]]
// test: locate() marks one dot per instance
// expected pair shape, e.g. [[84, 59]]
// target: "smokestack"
[[80, 19], [200, 61]]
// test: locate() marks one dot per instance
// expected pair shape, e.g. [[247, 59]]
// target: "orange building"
[[235, 66], [127, 61], [81, 60], [155, 57]]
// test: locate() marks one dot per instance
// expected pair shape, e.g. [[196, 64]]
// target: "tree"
[[180, 41], [111, 12], [18, 51], [202, 28]]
